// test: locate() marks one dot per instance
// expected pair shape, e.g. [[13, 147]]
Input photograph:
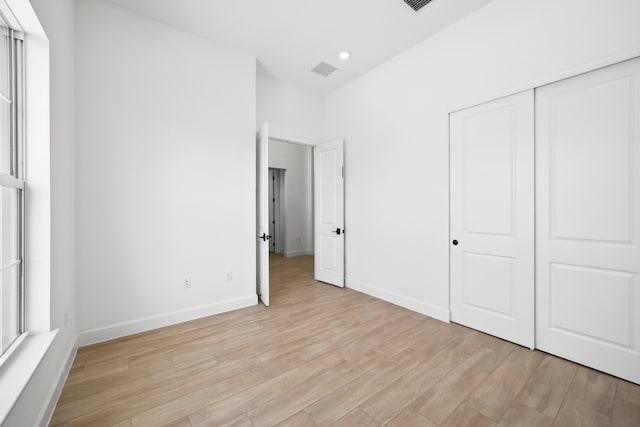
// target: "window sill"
[[19, 367]]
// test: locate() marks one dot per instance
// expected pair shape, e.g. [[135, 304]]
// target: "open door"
[[329, 212], [262, 216]]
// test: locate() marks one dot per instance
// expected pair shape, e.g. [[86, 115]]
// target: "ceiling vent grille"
[[324, 69], [417, 4]]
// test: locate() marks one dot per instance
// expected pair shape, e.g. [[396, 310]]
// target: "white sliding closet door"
[[492, 218], [588, 221]]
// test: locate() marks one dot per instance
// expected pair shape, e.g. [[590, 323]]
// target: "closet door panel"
[[588, 221], [492, 209]]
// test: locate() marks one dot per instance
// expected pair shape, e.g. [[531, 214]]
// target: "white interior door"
[[262, 228], [329, 212], [492, 218], [588, 229]]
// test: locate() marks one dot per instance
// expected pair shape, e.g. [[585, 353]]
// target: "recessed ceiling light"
[[344, 55]]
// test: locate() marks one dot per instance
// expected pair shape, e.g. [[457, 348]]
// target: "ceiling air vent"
[[417, 4], [324, 69]]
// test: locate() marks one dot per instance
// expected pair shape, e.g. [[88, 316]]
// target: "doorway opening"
[[291, 224], [277, 211], [300, 206]]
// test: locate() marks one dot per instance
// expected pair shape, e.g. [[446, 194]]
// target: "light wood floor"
[[327, 356]]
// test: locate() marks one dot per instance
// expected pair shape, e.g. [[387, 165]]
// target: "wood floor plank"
[[303, 395], [408, 338], [321, 354], [355, 418], [299, 419], [548, 385], [626, 407], [87, 373], [467, 416], [378, 334], [436, 340], [339, 403], [410, 418], [438, 402], [389, 402], [142, 393], [206, 407], [182, 422], [519, 415], [245, 401], [495, 394], [240, 421], [589, 401], [593, 389], [575, 415], [184, 405]]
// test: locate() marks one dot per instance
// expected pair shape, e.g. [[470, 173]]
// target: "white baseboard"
[[54, 394], [401, 300], [292, 254], [123, 329]]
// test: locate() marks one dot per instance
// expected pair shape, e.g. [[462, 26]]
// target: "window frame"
[[15, 179]]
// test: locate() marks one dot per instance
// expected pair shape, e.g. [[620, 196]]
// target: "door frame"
[[312, 145]]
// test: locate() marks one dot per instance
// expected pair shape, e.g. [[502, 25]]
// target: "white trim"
[[12, 348], [25, 16], [291, 254], [11, 264], [401, 300], [54, 395], [123, 329], [625, 55], [18, 369], [7, 13], [11, 182], [306, 144]]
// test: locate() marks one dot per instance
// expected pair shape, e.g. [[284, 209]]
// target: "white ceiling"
[[290, 37]]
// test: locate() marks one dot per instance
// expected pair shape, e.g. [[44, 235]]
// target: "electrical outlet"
[[187, 283], [229, 276]]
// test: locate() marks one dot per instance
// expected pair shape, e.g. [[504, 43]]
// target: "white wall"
[[57, 18], [395, 120], [292, 114], [165, 174], [298, 216]]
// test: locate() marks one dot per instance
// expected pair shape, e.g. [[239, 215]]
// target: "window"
[[11, 187]]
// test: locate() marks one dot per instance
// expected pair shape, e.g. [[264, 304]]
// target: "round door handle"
[[455, 243]]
